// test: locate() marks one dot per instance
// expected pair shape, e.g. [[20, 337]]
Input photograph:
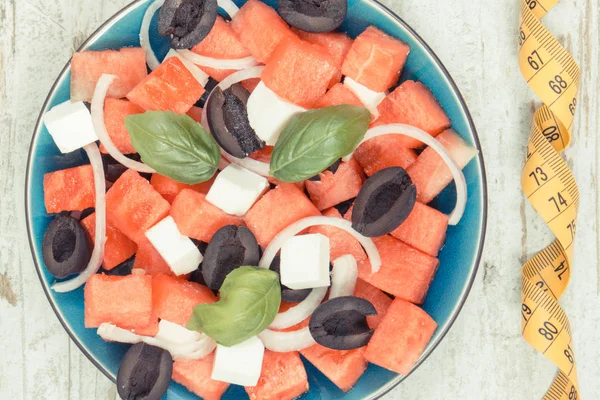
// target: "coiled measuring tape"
[[553, 75]]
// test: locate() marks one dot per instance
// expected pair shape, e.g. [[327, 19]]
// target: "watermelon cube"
[[424, 229], [69, 189], [375, 60], [260, 29], [276, 210], [431, 174], [117, 248], [169, 188], [300, 72], [128, 64], [174, 298], [380, 301], [221, 43], [251, 84], [195, 113], [337, 95], [383, 152], [197, 218], [125, 301], [133, 206], [263, 155], [195, 376], [115, 111], [334, 188], [413, 104], [170, 87], [401, 337], [337, 43], [283, 377], [149, 260], [343, 367]]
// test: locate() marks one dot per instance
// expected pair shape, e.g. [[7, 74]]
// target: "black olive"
[[313, 15], [65, 247], [344, 206], [122, 269], [384, 202], [287, 294], [144, 373], [341, 323], [187, 21], [333, 168], [231, 247], [228, 121], [112, 172]]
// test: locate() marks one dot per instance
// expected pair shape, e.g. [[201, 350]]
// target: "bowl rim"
[[463, 105]]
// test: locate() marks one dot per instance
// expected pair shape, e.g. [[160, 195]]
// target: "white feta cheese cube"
[[179, 252], [70, 125], [236, 189], [369, 98], [201, 76], [174, 333], [268, 113], [240, 364], [305, 262]]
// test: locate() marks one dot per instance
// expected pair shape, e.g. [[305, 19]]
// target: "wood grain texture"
[[483, 356]]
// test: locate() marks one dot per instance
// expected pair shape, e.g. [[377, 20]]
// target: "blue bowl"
[[459, 258]]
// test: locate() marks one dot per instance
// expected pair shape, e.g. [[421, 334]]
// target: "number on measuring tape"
[[561, 269], [548, 331], [535, 60], [525, 311], [572, 228], [551, 133], [573, 393], [573, 106], [558, 84], [559, 202], [539, 175], [569, 354]]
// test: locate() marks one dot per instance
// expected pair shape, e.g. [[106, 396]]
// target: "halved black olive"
[[122, 269], [287, 294], [187, 21], [384, 202], [313, 15], [65, 247], [333, 168], [341, 323], [144, 373], [228, 121], [231, 247]]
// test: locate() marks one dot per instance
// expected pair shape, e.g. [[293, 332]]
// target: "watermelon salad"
[[258, 195]]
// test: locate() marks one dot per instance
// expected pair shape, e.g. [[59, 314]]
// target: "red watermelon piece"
[[115, 111], [413, 104], [431, 174], [197, 218], [170, 87], [283, 377], [260, 29], [335, 188], [251, 84], [149, 259], [337, 95], [263, 154], [337, 43], [133, 206], [343, 367], [117, 248], [196, 114], [276, 210], [424, 229], [128, 64], [401, 337], [69, 189], [195, 376], [174, 299], [169, 189], [300, 72], [125, 301], [380, 301], [221, 43], [375, 59], [383, 152]]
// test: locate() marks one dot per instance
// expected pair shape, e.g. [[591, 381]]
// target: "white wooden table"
[[483, 356]]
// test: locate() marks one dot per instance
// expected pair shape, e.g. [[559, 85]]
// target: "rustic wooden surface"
[[483, 356]]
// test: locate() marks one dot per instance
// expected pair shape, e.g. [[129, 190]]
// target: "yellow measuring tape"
[[553, 75]]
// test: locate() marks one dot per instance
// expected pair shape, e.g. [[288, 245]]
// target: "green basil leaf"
[[315, 139], [249, 301], [174, 145]]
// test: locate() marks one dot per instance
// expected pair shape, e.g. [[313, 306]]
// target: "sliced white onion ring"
[[98, 120], [343, 276], [416, 133], [100, 234], [218, 63], [151, 59], [298, 226], [301, 311], [229, 7], [283, 342]]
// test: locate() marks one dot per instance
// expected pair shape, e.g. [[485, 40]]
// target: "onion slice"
[[217, 63], [343, 276], [301, 311], [416, 133], [299, 226], [151, 59], [100, 234], [229, 7], [98, 120], [283, 342]]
